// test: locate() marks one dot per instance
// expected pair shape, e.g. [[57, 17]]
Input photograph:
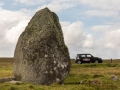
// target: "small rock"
[[15, 82], [114, 78], [94, 82]]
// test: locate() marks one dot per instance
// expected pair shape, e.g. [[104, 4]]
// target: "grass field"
[[81, 77]]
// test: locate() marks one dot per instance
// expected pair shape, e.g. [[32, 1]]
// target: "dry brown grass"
[[6, 67], [109, 60], [81, 77]]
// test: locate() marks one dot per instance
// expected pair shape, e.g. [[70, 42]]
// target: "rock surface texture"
[[41, 56]]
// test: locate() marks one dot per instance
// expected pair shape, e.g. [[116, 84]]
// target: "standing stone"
[[41, 56]]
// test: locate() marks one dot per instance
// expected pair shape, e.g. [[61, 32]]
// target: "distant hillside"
[[6, 59]]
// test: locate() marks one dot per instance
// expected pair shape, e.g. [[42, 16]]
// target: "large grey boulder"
[[41, 56]]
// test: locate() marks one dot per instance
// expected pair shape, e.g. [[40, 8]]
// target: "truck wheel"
[[96, 61], [79, 62]]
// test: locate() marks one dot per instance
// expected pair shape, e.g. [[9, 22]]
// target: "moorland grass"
[[6, 67], [82, 77]]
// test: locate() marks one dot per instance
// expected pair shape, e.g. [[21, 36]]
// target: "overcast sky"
[[89, 26]]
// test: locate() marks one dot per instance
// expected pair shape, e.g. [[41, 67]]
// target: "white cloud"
[[107, 46], [73, 35], [104, 47], [111, 39], [89, 42], [13, 34], [106, 27], [101, 28], [102, 4], [29, 12], [102, 13], [57, 6], [31, 2], [73, 32], [102, 8], [12, 23], [47, 2], [1, 3], [76, 40]]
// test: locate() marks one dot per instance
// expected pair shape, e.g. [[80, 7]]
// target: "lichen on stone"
[[41, 55]]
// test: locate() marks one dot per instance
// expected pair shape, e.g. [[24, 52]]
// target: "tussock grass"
[[82, 77]]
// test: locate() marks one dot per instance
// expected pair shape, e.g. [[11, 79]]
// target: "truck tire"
[[79, 62], [96, 61]]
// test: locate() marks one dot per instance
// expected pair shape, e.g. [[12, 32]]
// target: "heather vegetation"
[[81, 77]]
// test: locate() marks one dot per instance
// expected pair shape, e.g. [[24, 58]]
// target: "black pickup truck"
[[87, 58]]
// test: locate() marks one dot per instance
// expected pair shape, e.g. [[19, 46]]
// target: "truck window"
[[82, 55], [89, 56]]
